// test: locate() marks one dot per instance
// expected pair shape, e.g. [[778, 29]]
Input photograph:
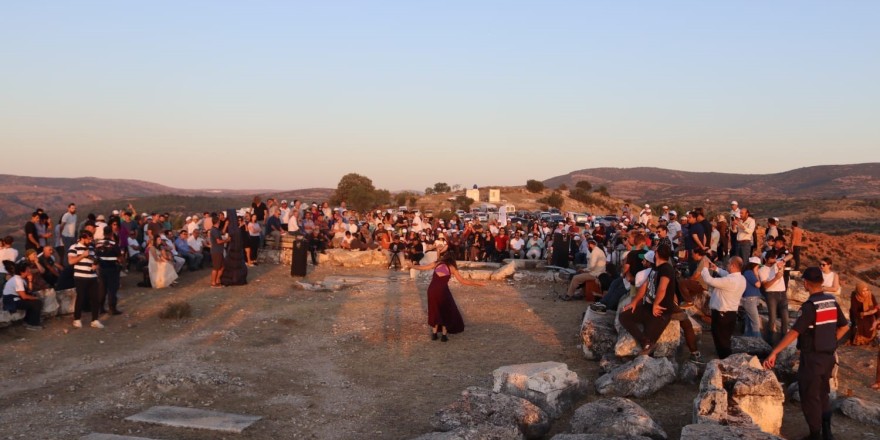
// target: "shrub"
[[534, 186], [584, 185], [555, 200], [176, 310]]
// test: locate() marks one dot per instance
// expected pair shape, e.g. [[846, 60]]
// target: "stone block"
[[598, 334], [50, 302], [667, 345], [641, 377], [478, 406], [66, 301], [723, 432], [615, 416], [549, 385], [194, 418]]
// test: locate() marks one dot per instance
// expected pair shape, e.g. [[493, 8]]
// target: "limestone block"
[[549, 385], [615, 416], [503, 272], [50, 301], [739, 391], [641, 377], [66, 301], [750, 345], [598, 334], [478, 406], [858, 409], [667, 345], [6, 318], [722, 432]]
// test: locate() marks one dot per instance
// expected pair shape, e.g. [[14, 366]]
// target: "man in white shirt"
[[284, 212], [7, 252], [674, 229], [191, 225], [724, 298], [516, 245], [68, 227], [645, 216], [595, 268], [771, 277], [744, 226]]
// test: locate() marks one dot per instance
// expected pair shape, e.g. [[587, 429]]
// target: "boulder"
[[348, 258], [858, 409], [598, 437], [667, 345], [598, 334], [481, 432], [269, 256], [723, 432], [66, 301], [641, 377], [466, 265], [750, 345], [739, 391], [689, 372], [503, 272], [6, 318], [609, 362], [479, 406], [615, 416], [787, 362], [476, 274], [323, 258], [549, 385], [50, 301]]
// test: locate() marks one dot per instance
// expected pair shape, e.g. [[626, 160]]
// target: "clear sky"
[[288, 94]]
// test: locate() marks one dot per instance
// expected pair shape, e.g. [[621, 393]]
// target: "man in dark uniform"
[[820, 324]]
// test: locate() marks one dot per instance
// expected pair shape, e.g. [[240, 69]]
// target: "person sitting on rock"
[[653, 304], [16, 295]]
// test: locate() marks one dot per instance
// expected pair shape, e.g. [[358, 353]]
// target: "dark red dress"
[[442, 310]]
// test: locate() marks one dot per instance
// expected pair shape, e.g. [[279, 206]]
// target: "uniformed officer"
[[820, 324]]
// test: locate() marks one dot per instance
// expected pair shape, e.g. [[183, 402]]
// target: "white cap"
[[647, 205], [672, 213], [734, 203], [283, 201], [650, 256], [115, 212], [756, 260], [665, 207], [188, 218]]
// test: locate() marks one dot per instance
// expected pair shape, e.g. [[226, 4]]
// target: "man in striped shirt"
[[81, 256]]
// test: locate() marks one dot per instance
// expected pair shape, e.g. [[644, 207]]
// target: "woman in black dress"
[[443, 314]]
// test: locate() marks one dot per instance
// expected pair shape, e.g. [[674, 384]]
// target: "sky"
[[290, 94]]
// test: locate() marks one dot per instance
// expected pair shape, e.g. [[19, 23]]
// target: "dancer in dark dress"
[[443, 314]]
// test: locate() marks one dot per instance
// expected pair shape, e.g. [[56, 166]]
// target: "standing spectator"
[[830, 280], [217, 242], [674, 230], [751, 297], [17, 297], [81, 256], [724, 302], [32, 240], [68, 227], [777, 300], [744, 226], [818, 328], [109, 258], [797, 244]]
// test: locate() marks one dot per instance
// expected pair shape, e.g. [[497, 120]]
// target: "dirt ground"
[[352, 364]]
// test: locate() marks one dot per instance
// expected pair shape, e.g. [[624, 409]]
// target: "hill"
[[857, 181]]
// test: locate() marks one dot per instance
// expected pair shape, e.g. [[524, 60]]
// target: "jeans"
[[777, 305], [753, 321], [86, 288], [723, 324], [744, 250]]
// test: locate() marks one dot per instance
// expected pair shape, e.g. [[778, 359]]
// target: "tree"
[[456, 187], [555, 200], [361, 199], [381, 197], [603, 191], [412, 200], [463, 202], [347, 186], [441, 187], [562, 187], [429, 191], [584, 185], [534, 186], [400, 198]]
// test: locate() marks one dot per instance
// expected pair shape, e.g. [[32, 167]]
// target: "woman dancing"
[[443, 314]]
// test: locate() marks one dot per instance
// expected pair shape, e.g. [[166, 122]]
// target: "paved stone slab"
[[194, 418], [98, 436]]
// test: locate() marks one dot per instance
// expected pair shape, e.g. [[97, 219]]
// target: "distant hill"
[[858, 181]]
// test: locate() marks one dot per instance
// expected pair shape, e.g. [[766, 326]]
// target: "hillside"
[[858, 181]]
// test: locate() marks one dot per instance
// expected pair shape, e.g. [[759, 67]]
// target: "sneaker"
[[598, 307], [77, 323], [696, 358], [96, 324], [33, 327]]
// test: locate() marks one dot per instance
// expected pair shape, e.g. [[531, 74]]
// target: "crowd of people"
[[664, 262]]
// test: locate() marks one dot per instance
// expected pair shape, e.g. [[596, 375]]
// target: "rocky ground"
[[351, 364]]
